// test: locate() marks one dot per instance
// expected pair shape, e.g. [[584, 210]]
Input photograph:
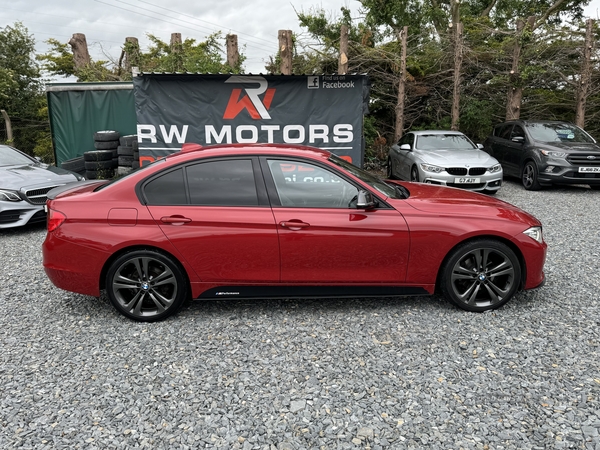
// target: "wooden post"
[[399, 128], [285, 51], [176, 52], [130, 56], [457, 69], [343, 61], [81, 55], [9, 134], [233, 56], [586, 76]]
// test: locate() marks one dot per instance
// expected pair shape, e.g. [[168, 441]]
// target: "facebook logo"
[[313, 82]]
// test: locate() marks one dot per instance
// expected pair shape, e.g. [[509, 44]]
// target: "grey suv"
[[542, 153]]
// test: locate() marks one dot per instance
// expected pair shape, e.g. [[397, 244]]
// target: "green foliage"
[[21, 93]]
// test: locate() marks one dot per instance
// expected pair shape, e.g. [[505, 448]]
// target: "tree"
[[21, 93]]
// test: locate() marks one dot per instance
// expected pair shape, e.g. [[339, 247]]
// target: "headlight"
[[430, 168], [553, 154], [495, 169], [535, 233], [9, 196]]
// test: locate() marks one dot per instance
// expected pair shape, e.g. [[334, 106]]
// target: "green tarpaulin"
[[78, 110]]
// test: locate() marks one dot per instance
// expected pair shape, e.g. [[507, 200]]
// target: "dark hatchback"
[[543, 153]]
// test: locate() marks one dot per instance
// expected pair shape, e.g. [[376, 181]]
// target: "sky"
[[106, 23]]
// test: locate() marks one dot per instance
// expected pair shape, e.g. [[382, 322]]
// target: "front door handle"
[[294, 224], [175, 220]]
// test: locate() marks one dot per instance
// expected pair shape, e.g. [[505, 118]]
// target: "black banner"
[[324, 111]]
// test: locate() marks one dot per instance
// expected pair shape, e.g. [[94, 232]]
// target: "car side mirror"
[[365, 200], [405, 147], [518, 139], [480, 146]]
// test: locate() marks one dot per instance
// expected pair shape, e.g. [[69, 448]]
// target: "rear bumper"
[[72, 267]]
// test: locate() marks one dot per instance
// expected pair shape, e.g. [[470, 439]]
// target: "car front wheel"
[[390, 169], [146, 285], [414, 174], [530, 177], [480, 275]]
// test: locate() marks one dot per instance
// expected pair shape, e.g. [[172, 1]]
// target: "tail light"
[[54, 220]]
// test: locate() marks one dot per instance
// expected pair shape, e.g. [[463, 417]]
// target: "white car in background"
[[24, 183], [447, 158]]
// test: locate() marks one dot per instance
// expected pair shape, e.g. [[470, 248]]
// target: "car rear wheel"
[[414, 174], [529, 177], [146, 285], [480, 275]]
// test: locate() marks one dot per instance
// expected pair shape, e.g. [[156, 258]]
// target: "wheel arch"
[[501, 239], [133, 248]]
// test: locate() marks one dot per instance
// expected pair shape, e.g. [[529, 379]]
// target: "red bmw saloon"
[[280, 221]]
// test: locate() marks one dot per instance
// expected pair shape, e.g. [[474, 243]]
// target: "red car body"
[[396, 246]]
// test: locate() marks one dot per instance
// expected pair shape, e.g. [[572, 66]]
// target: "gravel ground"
[[366, 373]]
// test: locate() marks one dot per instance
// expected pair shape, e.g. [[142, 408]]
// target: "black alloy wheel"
[[529, 177], [146, 285], [390, 169], [480, 275], [414, 174]]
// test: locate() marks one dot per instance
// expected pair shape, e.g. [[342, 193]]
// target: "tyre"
[[98, 155], [125, 161], [480, 275], [529, 177], [135, 164], [74, 165], [127, 141], [146, 285], [97, 165], [390, 169], [91, 175], [414, 174], [105, 145], [125, 151], [106, 135]]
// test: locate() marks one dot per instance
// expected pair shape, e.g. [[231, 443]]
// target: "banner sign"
[[324, 111]]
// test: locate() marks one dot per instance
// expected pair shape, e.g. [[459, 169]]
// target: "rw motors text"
[[249, 134]]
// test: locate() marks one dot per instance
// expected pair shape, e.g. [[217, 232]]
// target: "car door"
[[500, 145], [216, 213], [406, 156], [323, 237], [514, 150]]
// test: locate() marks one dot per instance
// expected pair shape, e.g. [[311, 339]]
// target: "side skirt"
[[222, 292]]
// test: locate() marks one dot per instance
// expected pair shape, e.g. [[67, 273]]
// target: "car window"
[[222, 183], [305, 185], [517, 132], [558, 132], [505, 131], [166, 189], [443, 141], [407, 139], [11, 157]]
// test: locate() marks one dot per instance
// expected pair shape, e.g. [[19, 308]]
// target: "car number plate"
[[589, 169], [466, 180]]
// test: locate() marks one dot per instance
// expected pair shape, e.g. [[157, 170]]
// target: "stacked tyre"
[[102, 162], [128, 152]]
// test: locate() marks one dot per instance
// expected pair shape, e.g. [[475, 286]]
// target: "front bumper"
[[16, 214], [559, 173], [484, 182]]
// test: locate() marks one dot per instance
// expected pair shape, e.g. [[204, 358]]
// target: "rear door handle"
[[175, 220]]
